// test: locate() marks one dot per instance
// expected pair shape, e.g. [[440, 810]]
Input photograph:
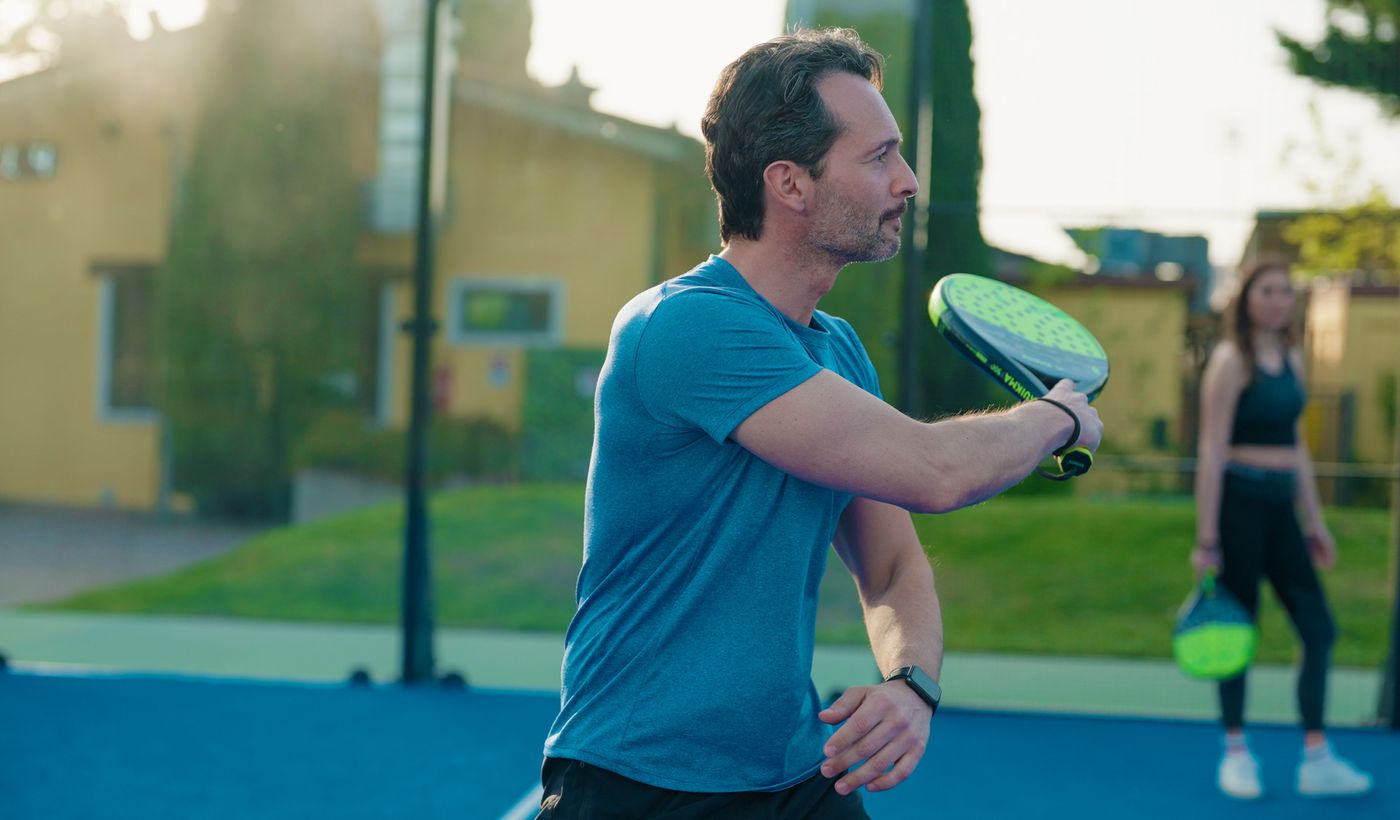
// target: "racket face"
[[1021, 327], [1215, 651], [1214, 636]]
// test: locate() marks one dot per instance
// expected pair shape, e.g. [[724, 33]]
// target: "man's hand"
[[887, 726], [1090, 427]]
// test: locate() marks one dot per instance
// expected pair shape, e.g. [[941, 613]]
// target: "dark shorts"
[[573, 789]]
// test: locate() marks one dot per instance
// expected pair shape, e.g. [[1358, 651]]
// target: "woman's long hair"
[[1239, 328]]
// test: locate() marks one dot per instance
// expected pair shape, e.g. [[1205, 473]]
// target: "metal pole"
[[1389, 708], [920, 142], [417, 613]]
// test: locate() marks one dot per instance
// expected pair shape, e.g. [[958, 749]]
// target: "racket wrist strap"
[[1074, 435]]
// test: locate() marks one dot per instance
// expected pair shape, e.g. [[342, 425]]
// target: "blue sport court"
[[144, 746]]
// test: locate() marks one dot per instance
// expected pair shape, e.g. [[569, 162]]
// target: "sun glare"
[[171, 14]]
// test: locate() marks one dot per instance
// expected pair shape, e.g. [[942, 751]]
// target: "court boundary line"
[[527, 806]]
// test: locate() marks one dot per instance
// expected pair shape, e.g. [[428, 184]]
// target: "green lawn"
[[1017, 574]]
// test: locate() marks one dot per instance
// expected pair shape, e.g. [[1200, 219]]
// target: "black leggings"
[[1259, 537]]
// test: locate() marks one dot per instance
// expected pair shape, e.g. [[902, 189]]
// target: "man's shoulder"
[[697, 296], [714, 277]]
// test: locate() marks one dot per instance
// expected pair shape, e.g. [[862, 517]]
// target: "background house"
[[1141, 324], [555, 216], [1352, 349]]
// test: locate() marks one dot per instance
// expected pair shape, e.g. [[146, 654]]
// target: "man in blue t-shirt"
[[740, 431]]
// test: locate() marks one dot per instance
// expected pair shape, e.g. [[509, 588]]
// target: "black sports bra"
[[1269, 408]]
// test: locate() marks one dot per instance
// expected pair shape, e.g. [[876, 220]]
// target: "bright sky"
[[1171, 116], [1174, 116]]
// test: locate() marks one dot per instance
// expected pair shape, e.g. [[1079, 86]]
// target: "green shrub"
[[471, 448]]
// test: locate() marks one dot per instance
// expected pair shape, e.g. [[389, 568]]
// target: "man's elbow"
[[944, 497], [948, 482]]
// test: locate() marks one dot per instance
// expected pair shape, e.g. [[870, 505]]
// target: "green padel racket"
[[1214, 636], [1023, 342]]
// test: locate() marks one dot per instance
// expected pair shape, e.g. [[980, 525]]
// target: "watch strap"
[[924, 686]]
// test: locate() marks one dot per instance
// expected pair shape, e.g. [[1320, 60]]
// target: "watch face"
[[918, 680], [929, 685]]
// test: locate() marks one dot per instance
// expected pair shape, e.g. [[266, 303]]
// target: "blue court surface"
[[95, 746]]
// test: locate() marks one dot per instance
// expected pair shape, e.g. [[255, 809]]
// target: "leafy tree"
[[1357, 235], [259, 303], [1361, 239], [1360, 50]]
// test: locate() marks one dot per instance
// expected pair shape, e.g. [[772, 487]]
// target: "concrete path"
[[530, 661], [51, 552]]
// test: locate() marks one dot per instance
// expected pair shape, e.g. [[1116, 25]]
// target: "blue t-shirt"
[[688, 663]]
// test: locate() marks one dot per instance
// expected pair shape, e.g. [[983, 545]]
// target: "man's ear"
[[788, 185]]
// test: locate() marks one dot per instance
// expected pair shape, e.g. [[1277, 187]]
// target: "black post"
[[417, 572], [919, 140], [1389, 711], [1390, 683]]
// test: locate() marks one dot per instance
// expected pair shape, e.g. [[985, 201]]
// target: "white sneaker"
[[1239, 776], [1331, 776]]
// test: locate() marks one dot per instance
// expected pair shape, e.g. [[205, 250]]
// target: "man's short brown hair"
[[765, 108]]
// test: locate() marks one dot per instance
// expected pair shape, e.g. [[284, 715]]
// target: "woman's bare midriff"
[[1268, 457]]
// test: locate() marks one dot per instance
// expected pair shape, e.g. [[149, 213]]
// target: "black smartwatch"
[[923, 686]]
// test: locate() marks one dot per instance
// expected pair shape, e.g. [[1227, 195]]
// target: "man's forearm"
[[905, 623], [830, 432], [981, 455]]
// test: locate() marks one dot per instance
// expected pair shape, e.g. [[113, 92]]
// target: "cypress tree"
[[870, 296]]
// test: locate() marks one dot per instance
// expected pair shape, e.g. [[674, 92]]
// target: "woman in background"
[[1253, 467]]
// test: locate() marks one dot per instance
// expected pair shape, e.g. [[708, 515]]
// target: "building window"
[[125, 389], [43, 159], [28, 159], [506, 312], [9, 160]]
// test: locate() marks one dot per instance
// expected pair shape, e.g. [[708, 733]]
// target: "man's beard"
[[847, 243]]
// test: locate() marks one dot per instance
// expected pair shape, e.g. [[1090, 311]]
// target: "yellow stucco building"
[[556, 214], [1141, 324], [1352, 348]]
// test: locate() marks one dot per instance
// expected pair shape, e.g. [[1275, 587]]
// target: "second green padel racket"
[[1023, 342], [1214, 636]]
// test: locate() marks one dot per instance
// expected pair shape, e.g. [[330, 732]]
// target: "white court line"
[[528, 806]]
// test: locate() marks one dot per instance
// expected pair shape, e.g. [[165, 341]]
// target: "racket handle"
[[1074, 461]]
